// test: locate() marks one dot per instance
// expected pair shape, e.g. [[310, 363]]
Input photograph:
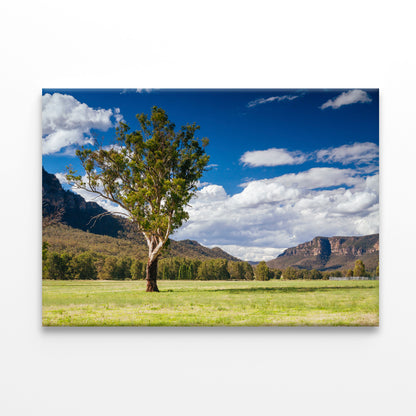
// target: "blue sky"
[[286, 165]]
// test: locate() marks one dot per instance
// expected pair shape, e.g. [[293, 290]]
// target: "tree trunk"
[[151, 275]]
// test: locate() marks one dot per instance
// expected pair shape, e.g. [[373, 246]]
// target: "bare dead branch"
[[104, 214]]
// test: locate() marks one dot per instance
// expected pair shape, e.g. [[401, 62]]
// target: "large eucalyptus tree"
[[152, 173]]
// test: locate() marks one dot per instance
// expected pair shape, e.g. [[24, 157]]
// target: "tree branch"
[[105, 214]]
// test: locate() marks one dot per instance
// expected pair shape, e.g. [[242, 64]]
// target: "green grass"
[[211, 303]]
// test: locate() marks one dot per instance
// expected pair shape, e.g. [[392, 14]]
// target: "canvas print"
[[204, 207]]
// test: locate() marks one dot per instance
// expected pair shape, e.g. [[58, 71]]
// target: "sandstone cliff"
[[331, 253]]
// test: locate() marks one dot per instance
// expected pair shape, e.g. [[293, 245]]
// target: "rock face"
[[74, 210], [330, 253]]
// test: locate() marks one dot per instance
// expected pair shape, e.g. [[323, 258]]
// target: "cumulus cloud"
[[272, 157], [67, 122], [365, 153], [311, 179], [283, 211], [346, 98], [358, 153], [270, 100]]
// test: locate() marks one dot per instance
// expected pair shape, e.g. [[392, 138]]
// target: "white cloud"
[[346, 98], [272, 157], [283, 211], [251, 253], [61, 178], [142, 90], [118, 116], [92, 197], [359, 153], [115, 147], [212, 193], [314, 178], [67, 122], [202, 184], [271, 99]]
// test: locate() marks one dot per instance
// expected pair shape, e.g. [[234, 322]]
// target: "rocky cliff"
[[326, 253], [74, 211]]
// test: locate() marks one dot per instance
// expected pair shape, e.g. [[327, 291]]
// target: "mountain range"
[[74, 230]]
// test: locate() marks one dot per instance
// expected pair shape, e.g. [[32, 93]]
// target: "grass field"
[[210, 303]]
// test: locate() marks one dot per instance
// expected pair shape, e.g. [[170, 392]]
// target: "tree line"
[[91, 265]]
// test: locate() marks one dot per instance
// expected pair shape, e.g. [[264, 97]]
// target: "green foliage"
[[59, 266], [290, 273], [349, 273], [90, 265], [359, 269], [138, 270], [275, 273], [83, 266], [221, 266], [240, 270], [120, 269], [123, 268], [325, 275], [215, 269], [236, 270], [248, 271], [108, 271], [262, 271], [178, 268], [45, 248], [314, 274]]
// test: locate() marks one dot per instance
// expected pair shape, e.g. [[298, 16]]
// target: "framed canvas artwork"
[[204, 207]]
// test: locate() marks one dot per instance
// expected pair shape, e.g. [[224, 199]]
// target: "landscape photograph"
[[210, 207]]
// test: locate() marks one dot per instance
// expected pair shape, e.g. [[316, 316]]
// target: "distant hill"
[[192, 249], [330, 253], [61, 237], [74, 231]]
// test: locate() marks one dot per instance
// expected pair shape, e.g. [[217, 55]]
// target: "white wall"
[[117, 371]]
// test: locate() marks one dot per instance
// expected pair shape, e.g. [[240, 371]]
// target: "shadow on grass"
[[293, 289]]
